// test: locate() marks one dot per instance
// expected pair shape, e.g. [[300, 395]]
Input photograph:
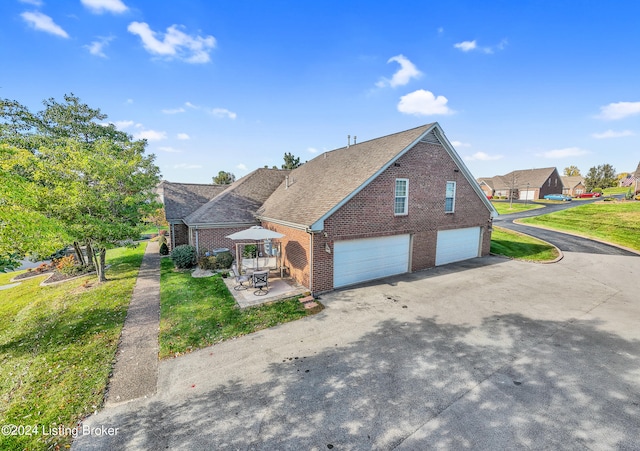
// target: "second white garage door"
[[357, 261], [458, 244]]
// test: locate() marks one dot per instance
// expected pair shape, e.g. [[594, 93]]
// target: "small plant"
[[224, 260], [67, 265], [184, 256], [207, 263], [162, 239], [629, 195], [250, 251], [164, 249]]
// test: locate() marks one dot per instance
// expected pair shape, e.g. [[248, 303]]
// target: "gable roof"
[[319, 187], [572, 181], [637, 173], [534, 178], [240, 201], [182, 199]]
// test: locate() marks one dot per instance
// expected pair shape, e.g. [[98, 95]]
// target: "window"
[[401, 205], [450, 198]]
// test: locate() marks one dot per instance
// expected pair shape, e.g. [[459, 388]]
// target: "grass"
[[522, 247], [616, 190], [615, 222], [503, 207], [57, 345], [198, 312]]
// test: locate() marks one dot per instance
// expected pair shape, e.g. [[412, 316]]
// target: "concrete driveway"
[[484, 354]]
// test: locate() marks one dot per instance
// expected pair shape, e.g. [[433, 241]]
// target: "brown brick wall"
[[214, 238], [553, 185], [295, 251], [370, 213], [181, 234]]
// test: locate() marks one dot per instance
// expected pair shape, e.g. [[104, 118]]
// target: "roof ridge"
[[381, 137]]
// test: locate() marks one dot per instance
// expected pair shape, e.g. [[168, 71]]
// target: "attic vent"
[[431, 138]]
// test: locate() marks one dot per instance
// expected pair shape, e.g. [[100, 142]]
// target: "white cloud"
[[32, 2], [619, 110], [223, 112], [183, 136], [174, 43], [150, 135], [481, 156], [466, 46], [129, 101], [191, 105], [423, 103], [242, 167], [460, 144], [97, 47], [403, 76], [169, 149], [173, 110], [612, 134], [312, 150], [44, 23], [187, 166], [123, 125], [100, 6], [564, 153]]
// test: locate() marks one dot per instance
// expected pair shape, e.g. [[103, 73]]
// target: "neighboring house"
[[573, 185], [182, 199], [395, 204], [525, 184], [637, 176]]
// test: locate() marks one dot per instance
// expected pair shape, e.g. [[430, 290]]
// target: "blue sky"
[[233, 85]]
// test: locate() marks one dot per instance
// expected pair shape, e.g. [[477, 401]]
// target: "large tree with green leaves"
[[224, 178], [571, 171], [602, 176], [79, 181]]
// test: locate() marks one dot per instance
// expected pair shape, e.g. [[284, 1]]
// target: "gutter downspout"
[[173, 236], [197, 247], [311, 263]]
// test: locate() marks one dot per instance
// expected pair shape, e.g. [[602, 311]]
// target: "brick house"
[[524, 184], [203, 215], [573, 185], [395, 204]]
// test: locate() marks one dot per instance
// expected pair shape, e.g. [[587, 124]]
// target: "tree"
[[602, 176], [291, 161], [224, 178], [572, 171], [79, 181]]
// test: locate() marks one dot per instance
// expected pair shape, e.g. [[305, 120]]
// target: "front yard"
[[522, 247], [57, 344]]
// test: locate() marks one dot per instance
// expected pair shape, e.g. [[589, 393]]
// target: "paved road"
[[484, 354], [563, 241]]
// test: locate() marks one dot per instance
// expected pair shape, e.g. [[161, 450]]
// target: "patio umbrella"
[[255, 233]]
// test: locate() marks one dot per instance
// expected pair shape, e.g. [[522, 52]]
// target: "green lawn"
[[522, 247], [615, 222], [503, 207], [57, 345], [198, 312]]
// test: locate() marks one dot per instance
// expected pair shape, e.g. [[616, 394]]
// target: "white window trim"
[[406, 197], [453, 204]]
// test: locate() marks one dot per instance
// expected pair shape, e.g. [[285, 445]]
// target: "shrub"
[[597, 190], [164, 249], [207, 263], [67, 265], [250, 251], [224, 260], [184, 256]]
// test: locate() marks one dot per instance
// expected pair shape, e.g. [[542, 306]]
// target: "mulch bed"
[[54, 275]]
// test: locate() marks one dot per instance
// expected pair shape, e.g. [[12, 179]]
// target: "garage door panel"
[[456, 245], [370, 258]]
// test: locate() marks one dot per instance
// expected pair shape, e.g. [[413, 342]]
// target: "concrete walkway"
[[135, 374]]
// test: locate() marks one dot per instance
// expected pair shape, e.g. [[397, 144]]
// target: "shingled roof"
[[182, 199], [520, 179], [572, 181], [240, 201], [320, 186]]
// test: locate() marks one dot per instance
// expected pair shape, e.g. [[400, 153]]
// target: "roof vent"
[[431, 138]]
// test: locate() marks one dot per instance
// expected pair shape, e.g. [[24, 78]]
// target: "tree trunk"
[[103, 260], [79, 255]]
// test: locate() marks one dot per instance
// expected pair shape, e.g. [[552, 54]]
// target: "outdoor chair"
[[240, 279], [261, 282]]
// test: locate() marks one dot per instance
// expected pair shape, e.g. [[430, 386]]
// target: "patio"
[[279, 288]]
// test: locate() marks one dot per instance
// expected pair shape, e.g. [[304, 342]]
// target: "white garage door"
[[458, 244], [369, 258], [527, 195]]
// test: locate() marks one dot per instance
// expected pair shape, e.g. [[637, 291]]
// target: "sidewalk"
[[135, 373]]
